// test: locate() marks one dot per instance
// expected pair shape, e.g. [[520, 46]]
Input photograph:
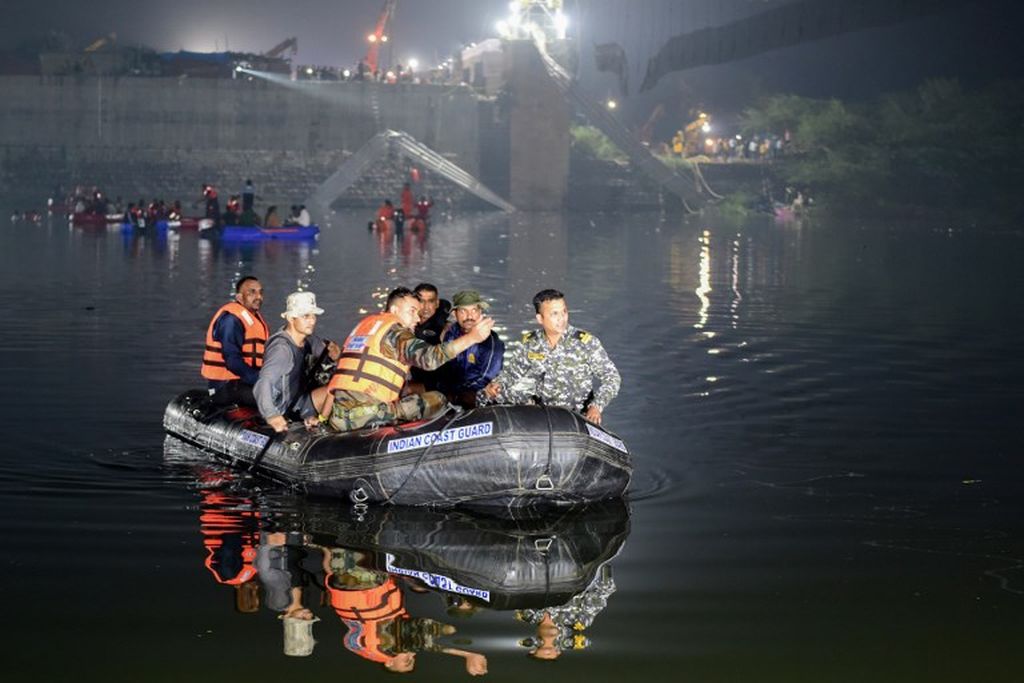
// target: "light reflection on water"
[[823, 418]]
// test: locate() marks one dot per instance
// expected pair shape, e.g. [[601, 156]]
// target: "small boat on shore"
[[495, 456]]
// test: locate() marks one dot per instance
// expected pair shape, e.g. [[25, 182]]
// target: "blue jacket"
[[474, 368]]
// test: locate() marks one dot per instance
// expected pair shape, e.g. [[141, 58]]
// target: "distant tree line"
[[938, 146]]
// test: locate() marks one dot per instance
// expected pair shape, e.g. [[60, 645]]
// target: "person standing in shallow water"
[[557, 364]]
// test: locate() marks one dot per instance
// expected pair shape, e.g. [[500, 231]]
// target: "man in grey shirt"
[[280, 390]]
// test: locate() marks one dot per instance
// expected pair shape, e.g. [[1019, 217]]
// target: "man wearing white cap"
[[280, 391]]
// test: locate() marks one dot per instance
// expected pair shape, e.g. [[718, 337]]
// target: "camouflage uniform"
[[354, 409], [561, 376]]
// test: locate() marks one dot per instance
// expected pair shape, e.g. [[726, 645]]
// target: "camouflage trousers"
[[350, 413]]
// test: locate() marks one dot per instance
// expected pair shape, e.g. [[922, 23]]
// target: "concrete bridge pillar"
[[538, 130]]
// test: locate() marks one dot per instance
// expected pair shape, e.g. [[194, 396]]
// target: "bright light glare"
[[706, 128], [383, 39], [309, 71], [372, 38], [612, 104], [561, 24], [414, 63]]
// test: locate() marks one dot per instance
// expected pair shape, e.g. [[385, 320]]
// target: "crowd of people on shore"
[[406, 363], [361, 72], [734, 148]]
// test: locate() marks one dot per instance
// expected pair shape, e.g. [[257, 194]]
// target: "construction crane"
[[279, 49], [379, 34], [101, 42]]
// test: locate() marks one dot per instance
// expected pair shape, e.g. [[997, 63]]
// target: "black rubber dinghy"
[[496, 456], [504, 563]]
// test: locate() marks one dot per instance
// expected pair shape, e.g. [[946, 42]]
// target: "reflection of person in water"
[[287, 565], [562, 628], [372, 606], [230, 528]]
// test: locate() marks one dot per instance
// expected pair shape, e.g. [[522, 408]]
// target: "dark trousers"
[[233, 392]]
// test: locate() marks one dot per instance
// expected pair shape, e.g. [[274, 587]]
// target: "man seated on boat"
[[249, 218], [375, 360], [433, 318], [282, 390], [461, 378], [235, 340], [557, 365], [433, 313]]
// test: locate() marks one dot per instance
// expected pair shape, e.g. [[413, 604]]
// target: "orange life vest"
[[364, 368], [363, 611], [256, 334], [227, 517]]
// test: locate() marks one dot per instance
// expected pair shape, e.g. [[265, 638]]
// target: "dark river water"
[[824, 420]]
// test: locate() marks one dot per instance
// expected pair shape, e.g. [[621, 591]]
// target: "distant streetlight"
[[309, 71], [612, 104], [383, 39], [414, 64], [372, 38]]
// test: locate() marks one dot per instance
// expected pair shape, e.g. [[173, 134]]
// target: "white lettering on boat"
[[466, 433], [606, 438], [437, 580], [253, 438]]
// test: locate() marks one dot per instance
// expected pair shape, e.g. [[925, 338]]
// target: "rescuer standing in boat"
[[235, 340], [557, 365], [375, 363]]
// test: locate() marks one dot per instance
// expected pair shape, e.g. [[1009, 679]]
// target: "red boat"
[[95, 220]]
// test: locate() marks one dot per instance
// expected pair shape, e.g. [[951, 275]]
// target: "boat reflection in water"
[[357, 568]]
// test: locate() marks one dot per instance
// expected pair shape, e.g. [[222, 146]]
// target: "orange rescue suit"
[[256, 334], [364, 368]]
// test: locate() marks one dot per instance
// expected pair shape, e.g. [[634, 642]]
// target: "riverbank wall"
[[145, 137]]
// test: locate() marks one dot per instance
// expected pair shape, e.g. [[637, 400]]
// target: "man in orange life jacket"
[[376, 359], [235, 341], [408, 201], [212, 203]]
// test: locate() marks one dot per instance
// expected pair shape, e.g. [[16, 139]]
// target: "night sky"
[[976, 43]]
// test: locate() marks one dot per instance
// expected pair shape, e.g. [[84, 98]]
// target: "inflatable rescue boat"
[[494, 456]]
